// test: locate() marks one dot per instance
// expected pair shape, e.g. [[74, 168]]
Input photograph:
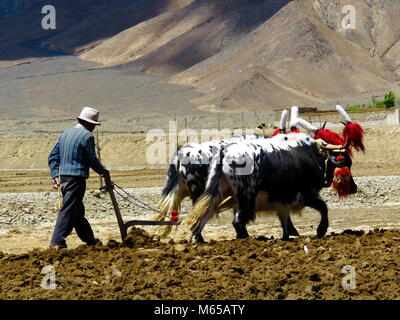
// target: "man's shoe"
[[94, 242], [58, 246]]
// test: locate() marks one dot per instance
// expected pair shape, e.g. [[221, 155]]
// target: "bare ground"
[[261, 267], [228, 269]]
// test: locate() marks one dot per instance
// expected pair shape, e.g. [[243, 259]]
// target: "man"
[[69, 164]]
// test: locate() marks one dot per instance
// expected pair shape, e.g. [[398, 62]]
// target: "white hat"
[[89, 115]]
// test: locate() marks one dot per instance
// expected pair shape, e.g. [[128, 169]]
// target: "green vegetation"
[[389, 101]]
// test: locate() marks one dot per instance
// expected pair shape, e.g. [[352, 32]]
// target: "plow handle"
[[110, 189]]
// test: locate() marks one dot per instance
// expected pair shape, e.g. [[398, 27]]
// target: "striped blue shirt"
[[74, 154]]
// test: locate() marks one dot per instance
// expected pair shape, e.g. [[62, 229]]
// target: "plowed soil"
[[223, 268], [261, 268]]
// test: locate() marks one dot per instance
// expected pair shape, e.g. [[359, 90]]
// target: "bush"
[[356, 107], [380, 105], [389, 101]]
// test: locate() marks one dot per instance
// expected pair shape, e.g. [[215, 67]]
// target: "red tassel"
[[342, 181], [276, 132], [330, 137], [354, 135], [174, 216]]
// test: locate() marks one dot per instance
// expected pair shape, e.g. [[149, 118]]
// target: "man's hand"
[[56, 184], [107, 178]]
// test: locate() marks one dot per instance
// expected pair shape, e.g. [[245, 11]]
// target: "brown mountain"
[[298, 57], [240, 54], [259, 54]]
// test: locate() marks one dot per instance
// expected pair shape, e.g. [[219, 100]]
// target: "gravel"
[[26, 209], [372, 192]]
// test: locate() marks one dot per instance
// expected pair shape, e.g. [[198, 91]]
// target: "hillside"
[[237, 55], [297, 57], [296, 51]]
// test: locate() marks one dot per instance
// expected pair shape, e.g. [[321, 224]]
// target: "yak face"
[[338, 173]]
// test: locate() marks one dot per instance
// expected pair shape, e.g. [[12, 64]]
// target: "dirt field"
[[230, 269], [261, 267], [381, 158]]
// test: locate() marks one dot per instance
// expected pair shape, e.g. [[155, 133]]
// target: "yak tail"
[[168, 192], [209, 202], [171, 198]]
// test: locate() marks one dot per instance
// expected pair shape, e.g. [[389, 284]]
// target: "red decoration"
[[330, 137], [174, 216], [342, 181], [296, 130], [354, 135], [276, 132]]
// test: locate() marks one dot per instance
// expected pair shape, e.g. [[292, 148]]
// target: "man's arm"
[[54, 165], [54, 161], [91, 158]]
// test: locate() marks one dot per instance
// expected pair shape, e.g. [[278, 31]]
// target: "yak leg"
[[292, 229], [353, 186], [195, 193], [197, 232], [245, 213], [284, 217], [241, 231], [196, 189], [317, 203]]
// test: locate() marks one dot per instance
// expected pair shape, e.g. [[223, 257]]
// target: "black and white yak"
[[282, 174], [189, 166], [188, 172], [187, 177]]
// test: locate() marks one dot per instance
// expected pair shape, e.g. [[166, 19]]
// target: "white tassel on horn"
[[343, 113], [294, 112], [282, 124], [306, 125]]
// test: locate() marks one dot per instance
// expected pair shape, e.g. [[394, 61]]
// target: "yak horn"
[[337, 151], [306, 125], [343, 113], [282, 124], [334, 147], [328, 146], [294, 113]]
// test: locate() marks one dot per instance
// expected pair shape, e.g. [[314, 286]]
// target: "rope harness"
[[126, 195]]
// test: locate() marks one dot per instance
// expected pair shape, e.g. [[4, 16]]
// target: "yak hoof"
[[243, 235], [321, 231], [294, 232], [199, 238]]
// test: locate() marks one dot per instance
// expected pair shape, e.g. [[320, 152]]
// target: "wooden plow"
[[123, 226]]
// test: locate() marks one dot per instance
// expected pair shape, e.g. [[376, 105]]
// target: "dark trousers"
[[72, 214]]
